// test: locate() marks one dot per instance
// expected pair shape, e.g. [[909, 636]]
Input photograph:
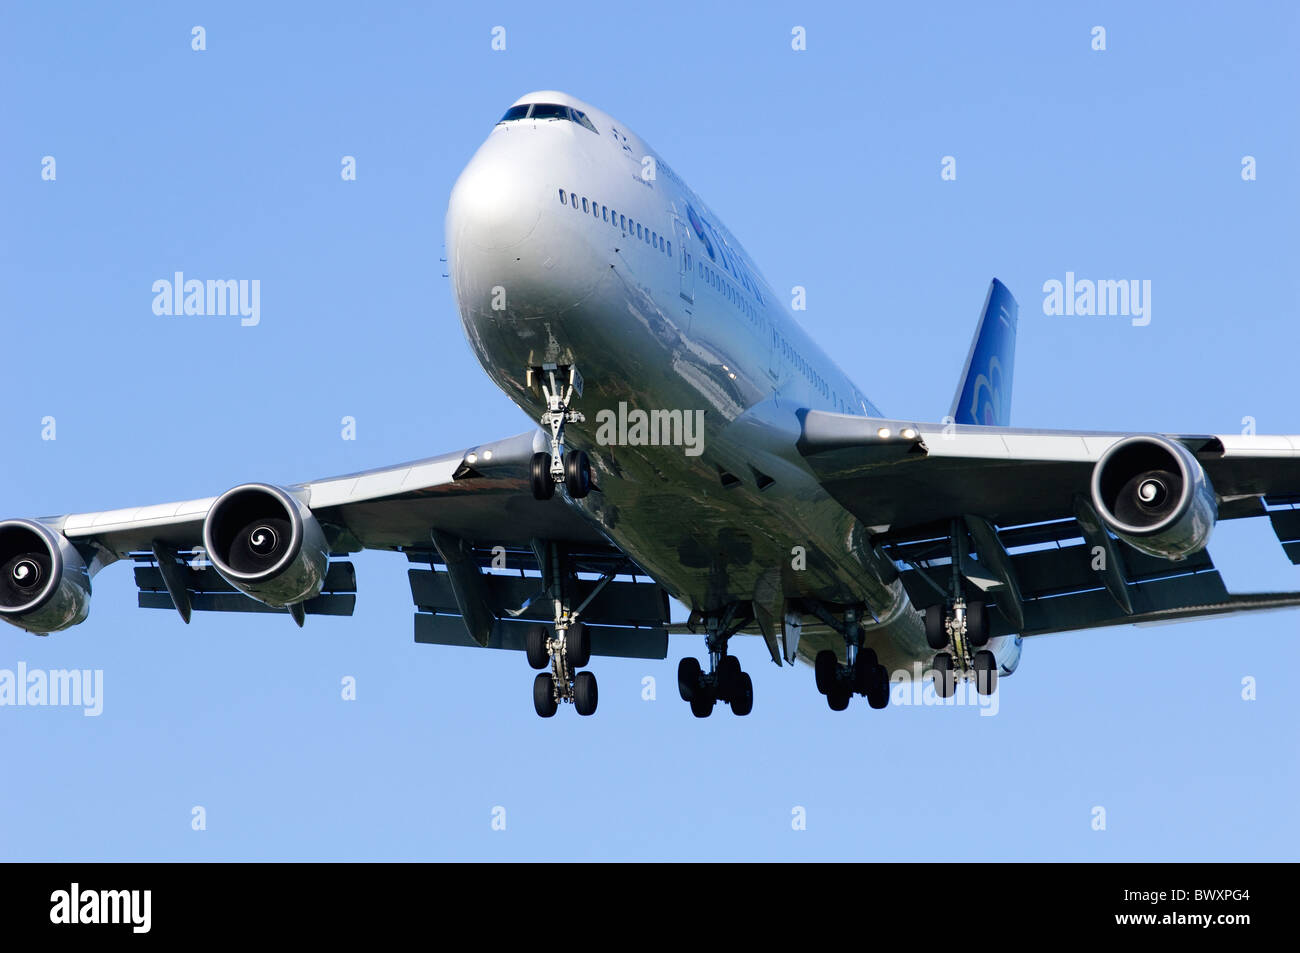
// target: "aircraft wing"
[[388, 508], [1019, 503], [459, 514]]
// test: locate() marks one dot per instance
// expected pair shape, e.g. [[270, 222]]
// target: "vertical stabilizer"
[[984, 394]]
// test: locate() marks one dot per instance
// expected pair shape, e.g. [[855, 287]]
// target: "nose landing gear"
[[571, 468]]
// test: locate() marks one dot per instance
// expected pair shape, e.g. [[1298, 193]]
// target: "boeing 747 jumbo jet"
[[694, 442]]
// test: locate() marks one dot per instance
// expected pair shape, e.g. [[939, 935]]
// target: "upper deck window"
[[547, 111]]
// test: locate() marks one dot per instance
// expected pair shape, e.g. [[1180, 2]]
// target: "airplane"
[[694, 442]]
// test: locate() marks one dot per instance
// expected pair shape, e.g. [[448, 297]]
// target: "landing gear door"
[[684, 264]]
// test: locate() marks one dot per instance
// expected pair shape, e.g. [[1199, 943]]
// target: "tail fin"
[[984, 395]]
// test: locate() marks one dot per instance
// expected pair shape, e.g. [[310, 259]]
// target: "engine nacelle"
[[44, 582], [1153, 494], [266, 544]]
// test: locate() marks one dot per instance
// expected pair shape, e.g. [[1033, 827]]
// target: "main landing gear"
[[958, 632], [571, 468], [565, 646], [862, 674], [724, 681]]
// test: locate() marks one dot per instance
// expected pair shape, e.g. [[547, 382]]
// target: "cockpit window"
[[547, 111], [581, 119], [516, 112]]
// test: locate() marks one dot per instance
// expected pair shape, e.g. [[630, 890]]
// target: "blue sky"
[[826, 164]]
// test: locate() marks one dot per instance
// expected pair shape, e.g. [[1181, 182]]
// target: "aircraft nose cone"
[[495, 203]]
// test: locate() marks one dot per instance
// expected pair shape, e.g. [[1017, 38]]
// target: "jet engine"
[[1154, 494], [266, 544], [44, 582]]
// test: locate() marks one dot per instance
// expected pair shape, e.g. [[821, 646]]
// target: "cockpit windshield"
[[547, 111]]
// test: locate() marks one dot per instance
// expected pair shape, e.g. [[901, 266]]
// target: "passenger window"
[[584, 205], [563, 201], [622, 223], [604, 213], [670, 249]]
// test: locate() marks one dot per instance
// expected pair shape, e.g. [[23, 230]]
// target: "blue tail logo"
[[984, 394]]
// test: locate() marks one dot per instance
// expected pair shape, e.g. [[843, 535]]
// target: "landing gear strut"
[[958, 631], [862, 674], [571, 468], [725, 681], [565, 646]]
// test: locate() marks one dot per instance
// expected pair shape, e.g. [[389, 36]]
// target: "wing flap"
[[607, 641], [208, 592]]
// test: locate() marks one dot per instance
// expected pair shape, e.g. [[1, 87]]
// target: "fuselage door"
[[774, 352], [684, 264]]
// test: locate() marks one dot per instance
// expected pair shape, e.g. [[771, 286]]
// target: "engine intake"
[[1154, 494], [266, 544], [44, 583]]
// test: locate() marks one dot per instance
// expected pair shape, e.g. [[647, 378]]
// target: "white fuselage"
[[572, 246]]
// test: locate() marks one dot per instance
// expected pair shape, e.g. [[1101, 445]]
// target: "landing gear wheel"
[[838, 698], [577, 646], [540, 476], [742, 697], [688, 677], [535, 646], [945, 680], [825, 667], [986, 673], [864, 671], [936, 635], [728, 673], [878, 689], [544, 695], [702, 703], [584, 693], [577, 474], [977, 624]]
